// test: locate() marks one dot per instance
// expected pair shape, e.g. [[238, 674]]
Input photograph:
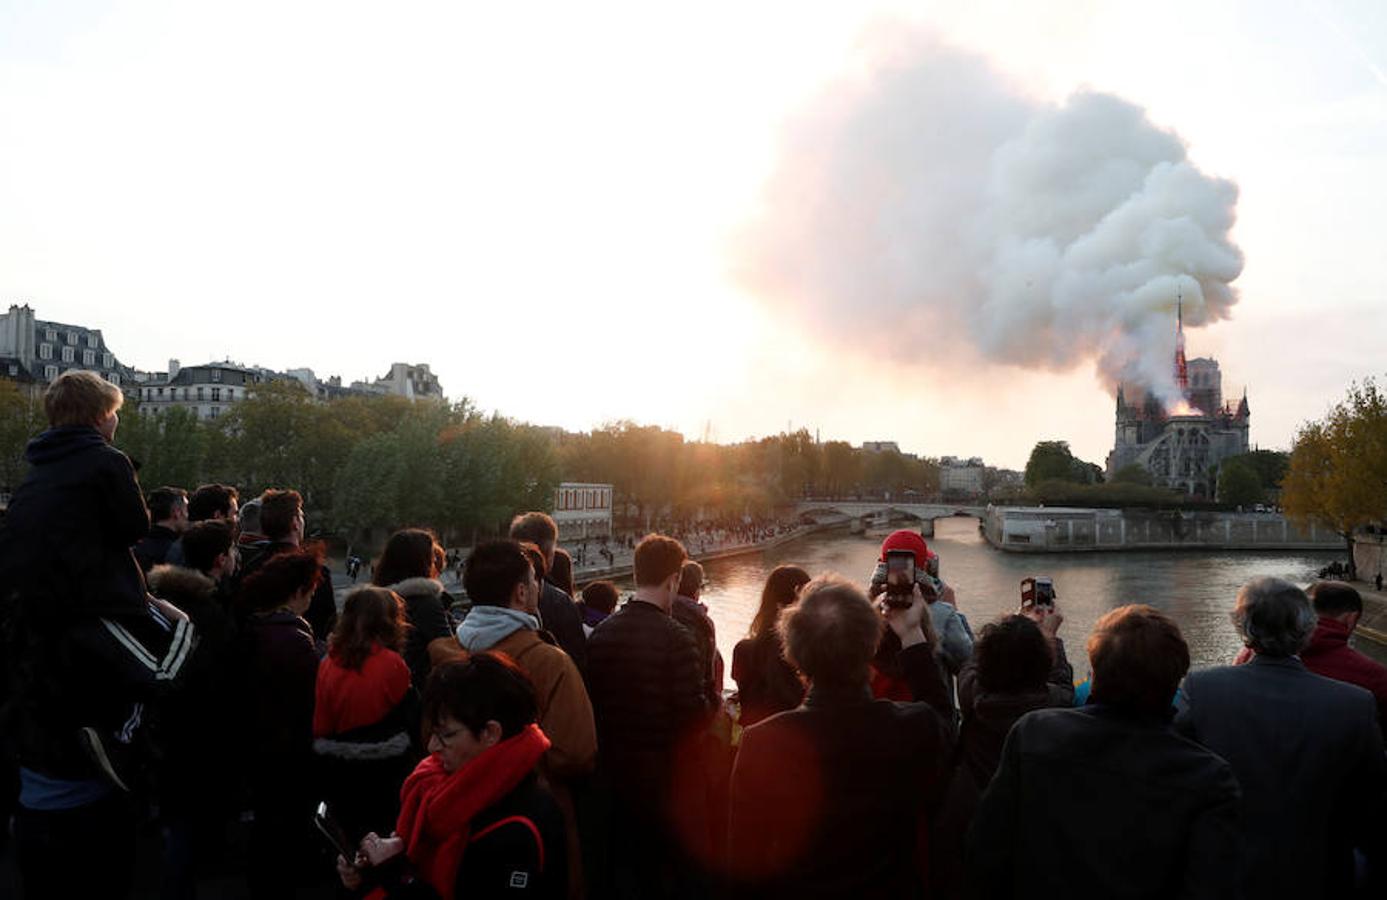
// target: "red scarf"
[[436, 807]]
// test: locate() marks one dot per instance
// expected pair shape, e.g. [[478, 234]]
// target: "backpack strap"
[[522, 820]]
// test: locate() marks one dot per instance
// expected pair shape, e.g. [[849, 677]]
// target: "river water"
[[1196, 589]]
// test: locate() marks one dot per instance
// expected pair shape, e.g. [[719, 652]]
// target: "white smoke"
[[929, 194]]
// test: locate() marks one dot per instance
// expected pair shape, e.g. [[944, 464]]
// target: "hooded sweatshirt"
[[487, 626]]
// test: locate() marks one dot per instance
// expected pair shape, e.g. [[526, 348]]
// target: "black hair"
[[204, 541], [483, 688], [1012, 656], [1334, 598], [410, 553], [493, 570], [211, 500], [164, 500]]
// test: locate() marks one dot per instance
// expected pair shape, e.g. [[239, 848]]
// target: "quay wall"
[[1070, 530], [1370, 555]]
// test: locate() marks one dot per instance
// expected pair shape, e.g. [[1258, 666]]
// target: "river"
[[1196, 589]]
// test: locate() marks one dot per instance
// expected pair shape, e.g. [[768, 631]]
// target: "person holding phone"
[[474, 819]]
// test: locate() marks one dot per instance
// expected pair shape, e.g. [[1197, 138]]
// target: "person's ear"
[[519, 595], [490, 734]]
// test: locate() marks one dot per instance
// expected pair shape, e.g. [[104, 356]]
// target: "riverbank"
[[622, 567], [1070, 529]]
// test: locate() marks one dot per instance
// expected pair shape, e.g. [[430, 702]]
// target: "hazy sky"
[[541, 200]]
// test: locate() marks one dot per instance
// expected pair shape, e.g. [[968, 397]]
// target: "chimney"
[[174, 368]]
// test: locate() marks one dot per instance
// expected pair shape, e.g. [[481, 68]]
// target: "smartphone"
[[1038, 590], [900, 577], [331, 830]]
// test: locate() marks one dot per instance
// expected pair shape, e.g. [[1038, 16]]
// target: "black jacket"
[[700, 625], [278, 664], [648, 700], [1093, 802], [425, 608], [69, 528], [766, 683], [828, 799], [322, 609], [153, 548], [559, 616], [1308, 754]]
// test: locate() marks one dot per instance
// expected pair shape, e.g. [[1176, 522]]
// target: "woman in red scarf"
[[473, 822]]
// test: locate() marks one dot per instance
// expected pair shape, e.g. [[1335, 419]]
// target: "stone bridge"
[[858, 510]]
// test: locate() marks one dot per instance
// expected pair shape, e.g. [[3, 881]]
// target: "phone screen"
[[900, 572], [329, 828]]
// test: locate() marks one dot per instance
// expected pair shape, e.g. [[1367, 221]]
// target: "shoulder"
[[415, 589]]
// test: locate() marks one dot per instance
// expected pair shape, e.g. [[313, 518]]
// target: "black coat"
[[766, 683], [1308, 754], [559, 616], [1093, 803], [69, 528], [278, 663], [425, 608], [828, 799], [153, 548], [322, 609], [648, 700]]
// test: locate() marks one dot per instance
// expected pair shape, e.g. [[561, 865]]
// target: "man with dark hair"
[[209, 502], [283, 524], [557, 611], [1139, 810], [168, 516], [210, 548], [828, 799], [651, 705], [1306, 750], [1339, 607]]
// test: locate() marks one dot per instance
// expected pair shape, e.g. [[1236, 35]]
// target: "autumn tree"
[[1337, 474]]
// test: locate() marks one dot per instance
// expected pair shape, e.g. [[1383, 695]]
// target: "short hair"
[[690, 579], [657, 558], [210, 501], [1334, 598], [832, 633], [277, 512], [536, 556], [1274, 617], [1138, 657], [371, 616], [279, 578], [601, 596], [536, 527], [410, 553], [560, 574], [1012, 656], [80, 397], [486, 687], [164, 501], [493, 570], [250, 517], [204, 541]]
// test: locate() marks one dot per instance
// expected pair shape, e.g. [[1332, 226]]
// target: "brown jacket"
[[565, 713]]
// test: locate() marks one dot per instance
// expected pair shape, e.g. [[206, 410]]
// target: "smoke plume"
[[926, 200]]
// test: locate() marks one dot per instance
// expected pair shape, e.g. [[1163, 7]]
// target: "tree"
[[1050, 461], [1238, 484], [1270, 465], [21, 418], [842, 468], [1132, 473], [1337, 474], [169, 448]]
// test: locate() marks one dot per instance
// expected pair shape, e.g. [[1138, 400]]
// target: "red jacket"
[[1329, 654], [347, 699]]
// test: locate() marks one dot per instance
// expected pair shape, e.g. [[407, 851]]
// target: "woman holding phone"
[[474, 820]]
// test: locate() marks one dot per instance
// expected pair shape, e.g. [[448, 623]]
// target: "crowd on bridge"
[[178, 658]]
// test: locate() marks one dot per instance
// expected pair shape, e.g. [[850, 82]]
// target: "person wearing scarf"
[[474, 820]]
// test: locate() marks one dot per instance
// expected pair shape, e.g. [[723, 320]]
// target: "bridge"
[[857, 510]]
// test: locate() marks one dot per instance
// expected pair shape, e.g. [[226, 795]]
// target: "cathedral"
[[1182, 449]]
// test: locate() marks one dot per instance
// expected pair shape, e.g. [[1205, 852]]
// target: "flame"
[[1183, 408]]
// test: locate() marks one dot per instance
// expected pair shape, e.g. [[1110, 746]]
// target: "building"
[[209, 390], [1182, 448], [880, 447], [583, 510], [35, 351], [405, 380], [961, 477]]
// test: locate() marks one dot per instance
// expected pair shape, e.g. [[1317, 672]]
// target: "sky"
[[546, 202]]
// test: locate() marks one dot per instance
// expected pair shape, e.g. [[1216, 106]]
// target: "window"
[[67, 354], [199, 393], [216, 374], [231, 393], [88, 357], [50, 334], [216, 411], [105, 360], [72, 338], [45, 351], [92, 342], [185, 393], [50, 373], [216, 394], [114, 378], [14, 370], [161, 392]]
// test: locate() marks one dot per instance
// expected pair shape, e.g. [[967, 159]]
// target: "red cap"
[[905, 539]]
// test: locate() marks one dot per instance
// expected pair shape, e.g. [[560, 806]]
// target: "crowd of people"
[[182, 657]]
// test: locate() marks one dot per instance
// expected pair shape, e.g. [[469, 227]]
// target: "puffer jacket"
[[425, 606]]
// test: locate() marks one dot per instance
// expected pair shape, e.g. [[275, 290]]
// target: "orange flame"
[[1183, 408]]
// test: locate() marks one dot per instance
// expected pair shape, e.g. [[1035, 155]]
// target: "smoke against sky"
[[927, 196]]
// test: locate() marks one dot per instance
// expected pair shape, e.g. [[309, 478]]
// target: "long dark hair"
[[779, 592], [370, 616], [410, 553]]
